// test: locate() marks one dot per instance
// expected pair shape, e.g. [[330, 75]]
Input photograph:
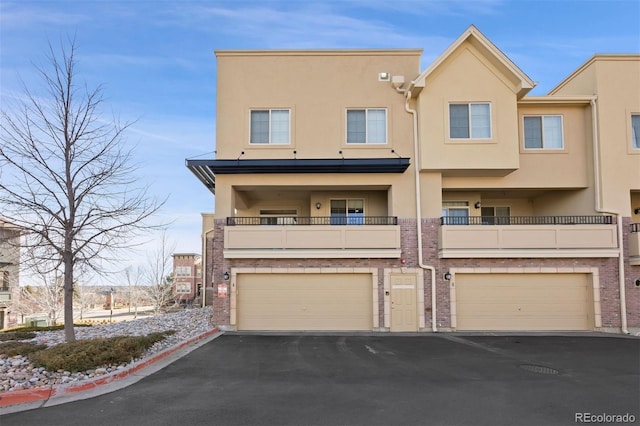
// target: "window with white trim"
[[495, 215], [470, 121], [456, 212], [278, 217], [270, 126], [367, 126], [635, 131], [543, 132], [183, 288], [183, 271], [347, 212]]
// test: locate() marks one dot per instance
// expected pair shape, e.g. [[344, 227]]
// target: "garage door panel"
[[523, 302], [304, 302]]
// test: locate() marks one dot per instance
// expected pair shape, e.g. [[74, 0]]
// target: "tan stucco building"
[[355, 191]]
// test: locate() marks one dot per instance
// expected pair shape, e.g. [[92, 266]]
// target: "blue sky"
[[156, 62]]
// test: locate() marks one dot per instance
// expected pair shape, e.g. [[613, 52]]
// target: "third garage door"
[[304, 302], [523, 302]]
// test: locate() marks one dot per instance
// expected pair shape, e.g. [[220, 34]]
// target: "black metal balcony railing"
[[527, 220], [315, 220], [635, 227]]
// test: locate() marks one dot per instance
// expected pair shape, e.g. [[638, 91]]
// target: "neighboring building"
[[9, 271], [529, 206], [187, 276]]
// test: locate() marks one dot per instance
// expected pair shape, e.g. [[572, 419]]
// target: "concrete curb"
[[27, 399]]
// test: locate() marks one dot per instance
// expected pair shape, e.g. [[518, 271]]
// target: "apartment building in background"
[[187, 276], [9, 271], [355, 191]]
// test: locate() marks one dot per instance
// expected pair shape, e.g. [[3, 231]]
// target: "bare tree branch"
[[68, 176]]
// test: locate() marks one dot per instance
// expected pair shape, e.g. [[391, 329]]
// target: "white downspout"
[[601, 209], [414, 113]]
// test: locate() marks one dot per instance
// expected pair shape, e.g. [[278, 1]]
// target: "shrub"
[[41, 328], [17, 335], [83, 355], [19, 348]]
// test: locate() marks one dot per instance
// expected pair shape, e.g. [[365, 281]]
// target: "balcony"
[[634, 244], [312, 237], [527, 236]]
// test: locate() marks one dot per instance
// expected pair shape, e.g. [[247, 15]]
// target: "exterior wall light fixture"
[[226, 276], [318, 205], [637, 211], [447, 276], [384, 76], [477, 205]]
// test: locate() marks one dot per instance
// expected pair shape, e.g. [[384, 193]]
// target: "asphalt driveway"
[[244, 379]]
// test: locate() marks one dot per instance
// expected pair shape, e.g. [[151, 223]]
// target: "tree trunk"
[[69, 332]]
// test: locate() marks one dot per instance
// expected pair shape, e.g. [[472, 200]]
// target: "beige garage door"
[[524, 302], [304, 302]]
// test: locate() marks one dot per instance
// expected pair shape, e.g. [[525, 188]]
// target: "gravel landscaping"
[[18, 373]]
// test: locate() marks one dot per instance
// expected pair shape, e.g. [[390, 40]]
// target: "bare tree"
[[133, 278], [68, 177], [46, 297], [158, 274]]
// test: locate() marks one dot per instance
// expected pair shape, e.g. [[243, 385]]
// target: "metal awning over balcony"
[[205, 170]]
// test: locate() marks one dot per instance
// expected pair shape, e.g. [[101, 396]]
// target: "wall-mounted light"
[[384, 76], [447, 276], [477, 205], [225, 276], [318, 205], [637, 211]]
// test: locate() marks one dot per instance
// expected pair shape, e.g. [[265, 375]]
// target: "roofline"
[[528, 83], [320, 52], [186, 254], [578, 100], [593, 59]]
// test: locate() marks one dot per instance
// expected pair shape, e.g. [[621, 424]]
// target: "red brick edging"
[[9, 398]]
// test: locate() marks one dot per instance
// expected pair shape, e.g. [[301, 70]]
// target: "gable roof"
[[489, 50]]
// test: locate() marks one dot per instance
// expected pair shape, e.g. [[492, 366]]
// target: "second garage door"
[[304, 302], [523, 302]]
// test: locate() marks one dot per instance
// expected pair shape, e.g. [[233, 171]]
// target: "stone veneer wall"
[[609, 290]]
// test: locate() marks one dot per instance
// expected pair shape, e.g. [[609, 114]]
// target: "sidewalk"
[[28, 399]]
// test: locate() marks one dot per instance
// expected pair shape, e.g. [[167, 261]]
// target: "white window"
[[498, 215], [270, 126], [470, 121], [4, 279], [635, 131], [543, 132], [278, 217], [183, 271], [347, 212], [455, 212], [183, 288], [367, 126]]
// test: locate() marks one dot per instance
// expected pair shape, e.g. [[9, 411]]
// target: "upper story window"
[[4, 279], [367, 126], [347, 212], [635, 131], [470, 121], [270, 126], [495, 215], [183, 271], [543, 132]]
